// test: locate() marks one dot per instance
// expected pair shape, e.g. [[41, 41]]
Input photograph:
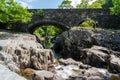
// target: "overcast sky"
[[44, 4]]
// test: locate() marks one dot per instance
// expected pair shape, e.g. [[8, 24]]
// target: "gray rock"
[[23, 50], [97, 74], [6, 74], [70, 43], [43, 75], [115, 63], [97, 56], [103, 58]]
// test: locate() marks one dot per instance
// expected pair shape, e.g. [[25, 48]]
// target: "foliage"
[[107, 4], [102, 4], [47, 34], [83, 4], [66, 4], [11, 12], [40, 12], [89, 23], [116, 7], [96, 4]]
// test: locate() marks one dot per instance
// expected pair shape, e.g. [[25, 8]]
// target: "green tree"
[[107, 4], [11, 12], [47, 34], [102, 4], [116, 7], [66, 4], [83, 4], [97, 4]]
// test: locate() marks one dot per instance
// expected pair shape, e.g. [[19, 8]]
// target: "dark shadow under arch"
[[81, 21], [32, 27]]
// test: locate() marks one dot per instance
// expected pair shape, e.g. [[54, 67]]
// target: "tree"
[[83, 4], [102, 4], [66, 4], [11, 12], [96, 4], [116, 7], [107, 4]]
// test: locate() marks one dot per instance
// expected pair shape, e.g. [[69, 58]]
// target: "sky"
[[44, 4]]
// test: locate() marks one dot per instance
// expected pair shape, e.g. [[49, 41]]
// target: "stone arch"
[[80, 21], [32, 27]]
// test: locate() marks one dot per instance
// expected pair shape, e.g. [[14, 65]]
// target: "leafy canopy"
[[83, 4], [11, 12], [66, 4], [116, 7]]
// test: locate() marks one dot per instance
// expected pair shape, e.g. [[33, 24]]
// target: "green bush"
[[47, 34], [89, 23]]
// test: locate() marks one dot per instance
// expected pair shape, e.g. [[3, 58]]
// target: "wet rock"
[[29, 71], [6, 74], [103, 58], [114, 77], [43, 75], [97, 56], [58, 77], [97, 74], [67, 72], [115, 63], [69, 61]]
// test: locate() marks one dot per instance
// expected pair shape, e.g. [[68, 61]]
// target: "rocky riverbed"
[[84, 58]]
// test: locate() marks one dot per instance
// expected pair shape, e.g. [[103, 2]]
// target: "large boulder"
[[23, 50], [102, 57], [70, 43]]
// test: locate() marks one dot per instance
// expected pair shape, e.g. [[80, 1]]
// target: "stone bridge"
[[67, 18]]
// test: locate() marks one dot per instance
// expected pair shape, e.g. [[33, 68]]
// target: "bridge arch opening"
[[32, 27], [87, 23], [47, 32]]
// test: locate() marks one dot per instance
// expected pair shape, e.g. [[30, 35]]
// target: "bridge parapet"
[[67, 18]]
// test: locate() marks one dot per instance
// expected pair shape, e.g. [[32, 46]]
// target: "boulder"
[[43, 75], [68, 61], [97, 74], [70, 43], [114, 63], [96, 56], [103, 58], [22, 50]]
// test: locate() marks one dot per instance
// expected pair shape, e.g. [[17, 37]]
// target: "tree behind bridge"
[[11, 12], [66, 4]]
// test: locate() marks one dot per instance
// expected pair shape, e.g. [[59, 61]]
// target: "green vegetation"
[[40, 12], [83, 4], [11, 12], [116, 7], [47, 34], [66, 4], [97, 4], [89, 23]]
